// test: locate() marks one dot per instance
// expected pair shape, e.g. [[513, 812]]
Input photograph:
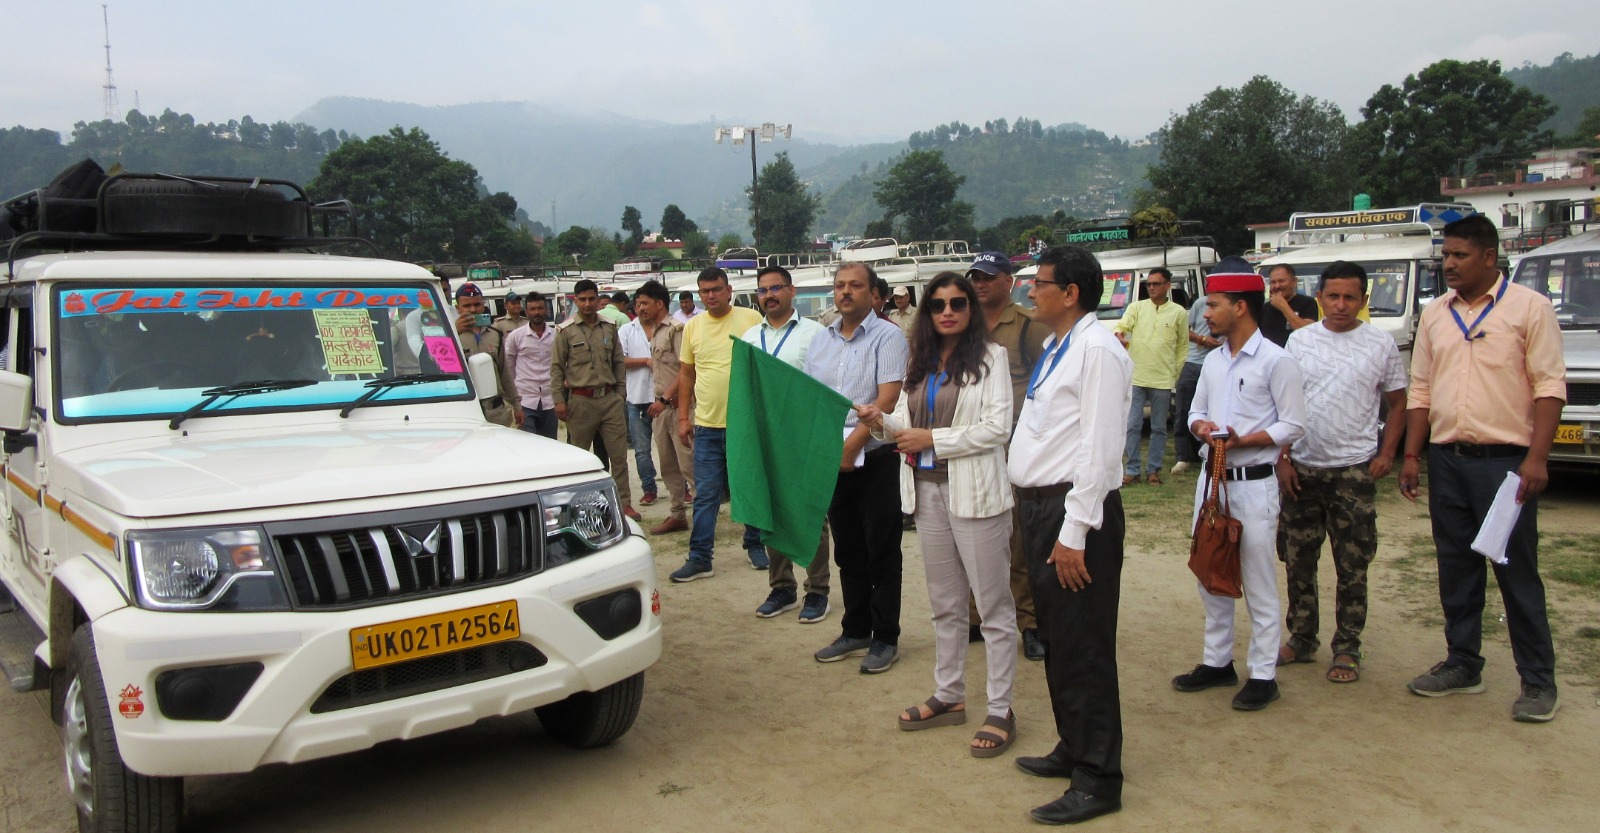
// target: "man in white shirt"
[[1066, 466], [1251, 398], [1328, 477], [528, 350], [639, 393], [786, 336], [686, 308], [904, 313]]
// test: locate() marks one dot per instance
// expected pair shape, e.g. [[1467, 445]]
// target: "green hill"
[[1572, 84]]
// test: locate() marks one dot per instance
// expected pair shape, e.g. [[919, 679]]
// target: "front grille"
[[393, 558], [1583, 393], [419, 676]]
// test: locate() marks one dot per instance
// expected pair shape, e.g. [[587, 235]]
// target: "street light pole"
[[765, 133]]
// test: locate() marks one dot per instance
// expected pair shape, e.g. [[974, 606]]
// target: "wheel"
[[594, 718], [151, 372], [110, 797]]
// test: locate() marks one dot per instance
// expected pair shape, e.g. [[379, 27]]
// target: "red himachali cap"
[[1234, 274]]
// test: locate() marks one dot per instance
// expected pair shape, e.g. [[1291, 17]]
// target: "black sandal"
[[943, 714]]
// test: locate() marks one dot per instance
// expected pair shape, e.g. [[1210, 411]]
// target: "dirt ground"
[[742, 731]]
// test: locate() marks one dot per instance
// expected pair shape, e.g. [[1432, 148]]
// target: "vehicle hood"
[[1581, 348], [180, 475]]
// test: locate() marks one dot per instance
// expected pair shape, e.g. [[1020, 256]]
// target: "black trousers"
[[865, 516], [1080, 630], [1461, 489]]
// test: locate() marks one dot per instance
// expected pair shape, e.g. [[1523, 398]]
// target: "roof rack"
[[165, 211], [1115, 233]]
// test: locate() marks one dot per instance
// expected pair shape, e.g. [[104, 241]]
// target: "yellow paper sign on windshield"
[[348, 345]]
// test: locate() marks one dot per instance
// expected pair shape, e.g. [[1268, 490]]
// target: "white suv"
[[253, 513]]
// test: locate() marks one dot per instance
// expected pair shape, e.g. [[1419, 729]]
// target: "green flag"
[[785, 437]]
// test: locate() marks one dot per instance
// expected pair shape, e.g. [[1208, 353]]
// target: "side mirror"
[[16, 402], [480, 369]]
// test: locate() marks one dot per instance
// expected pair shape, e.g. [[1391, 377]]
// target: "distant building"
[[669, 249], [1532, 201]]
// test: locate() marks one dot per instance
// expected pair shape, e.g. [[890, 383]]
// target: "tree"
[[729, 241], [786, 208], [415, 202], [921, 191], [696, 243], [633, 224], [574, 241], [1587, 132], [879, 228], [675, 225], [1439, 123], [1251, 155]]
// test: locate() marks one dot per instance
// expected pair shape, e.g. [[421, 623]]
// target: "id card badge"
[[925, 460]]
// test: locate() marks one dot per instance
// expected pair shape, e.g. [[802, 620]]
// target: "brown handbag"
[[1214, 552]]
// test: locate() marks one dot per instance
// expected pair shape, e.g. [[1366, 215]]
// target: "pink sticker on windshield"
[[443, 351]]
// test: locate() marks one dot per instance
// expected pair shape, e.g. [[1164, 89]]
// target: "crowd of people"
[[1008, 435]]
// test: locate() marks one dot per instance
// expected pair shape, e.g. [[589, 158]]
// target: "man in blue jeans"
[[1156, 332], [638, 389], [707, 358]]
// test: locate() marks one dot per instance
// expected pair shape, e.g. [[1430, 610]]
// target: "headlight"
[[580, 520], [229, 568]]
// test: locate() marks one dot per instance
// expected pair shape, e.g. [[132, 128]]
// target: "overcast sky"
[[860, 68]]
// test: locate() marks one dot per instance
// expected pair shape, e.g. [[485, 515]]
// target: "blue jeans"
[[541, 422], [710, 482], [639, 437], [1160, 401]]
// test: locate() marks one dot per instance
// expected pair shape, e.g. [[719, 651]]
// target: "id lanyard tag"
[[925, 460]]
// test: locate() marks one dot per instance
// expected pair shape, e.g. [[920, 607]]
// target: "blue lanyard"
[[787, 329], [933, 393], [1035, 379], [1466, 332]]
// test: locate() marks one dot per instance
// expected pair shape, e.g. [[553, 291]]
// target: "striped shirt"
[[876, 353]]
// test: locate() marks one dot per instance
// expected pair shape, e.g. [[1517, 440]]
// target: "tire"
[[110, 798], [594, 718]]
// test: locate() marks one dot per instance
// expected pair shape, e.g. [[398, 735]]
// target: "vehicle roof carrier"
[[84, 208]]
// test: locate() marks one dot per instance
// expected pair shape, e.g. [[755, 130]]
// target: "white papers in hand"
[[1497, 525], [861, 456]]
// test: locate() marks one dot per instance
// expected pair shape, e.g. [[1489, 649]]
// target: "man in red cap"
[[1251, 399]]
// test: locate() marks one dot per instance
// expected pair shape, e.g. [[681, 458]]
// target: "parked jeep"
[[253, 513]]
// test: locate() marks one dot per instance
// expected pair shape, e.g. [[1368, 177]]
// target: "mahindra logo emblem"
[[421, 539]]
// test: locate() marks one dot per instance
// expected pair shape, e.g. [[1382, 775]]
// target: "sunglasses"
[[936, 305], [771, 290]]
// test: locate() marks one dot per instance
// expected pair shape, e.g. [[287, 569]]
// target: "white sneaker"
[[1180, 468]]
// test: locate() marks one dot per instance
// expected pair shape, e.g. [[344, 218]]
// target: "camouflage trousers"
[[1339, 504]]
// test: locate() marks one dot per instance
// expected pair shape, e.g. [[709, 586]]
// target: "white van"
[[235, 535], [1568, 273]]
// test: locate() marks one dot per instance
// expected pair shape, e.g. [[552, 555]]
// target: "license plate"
[[1568, 433], [441, 633]]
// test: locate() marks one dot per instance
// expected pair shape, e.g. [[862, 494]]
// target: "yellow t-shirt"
[[707, 346]]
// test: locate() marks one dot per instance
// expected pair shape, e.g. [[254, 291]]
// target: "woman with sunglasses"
[[952, 421]]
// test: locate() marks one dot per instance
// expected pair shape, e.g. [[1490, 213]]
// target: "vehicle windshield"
[[1570, 280], [1387, 284], [143, 351], [1121, 289], [1020, 290], [813, 302]]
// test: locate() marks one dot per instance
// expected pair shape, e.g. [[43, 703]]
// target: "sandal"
[[1154, 479], [1129, 479], [941, 714], [1008, 723], [1353, 666], [1295, 653]]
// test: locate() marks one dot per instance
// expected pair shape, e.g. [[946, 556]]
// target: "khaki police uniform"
[[496, 409], [586, 373]]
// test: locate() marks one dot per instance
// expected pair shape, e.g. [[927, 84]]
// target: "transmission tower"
[[110, 87]]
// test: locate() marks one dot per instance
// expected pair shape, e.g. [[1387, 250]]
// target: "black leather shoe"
[[1206, 676], [1044, 766], [1074, 806], [1255, 695], [1032, 648]]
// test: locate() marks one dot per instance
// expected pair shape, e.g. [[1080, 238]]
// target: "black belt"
[[1482, 451], [1042, 492], [878, 453], [1259, 471]]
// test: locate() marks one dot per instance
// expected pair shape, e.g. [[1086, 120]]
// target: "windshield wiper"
[[237, 389], [378, 386], [1382, 311]]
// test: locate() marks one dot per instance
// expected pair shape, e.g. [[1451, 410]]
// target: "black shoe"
[[1075, 806], [1206, 676], [1255, 695], [974, 633], [1032, 648], [1044, 766]]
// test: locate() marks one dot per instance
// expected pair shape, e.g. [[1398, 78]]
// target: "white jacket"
[[973, 446]]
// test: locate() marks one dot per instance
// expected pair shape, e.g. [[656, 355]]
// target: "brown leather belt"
[[591, 392], [1042, 492]]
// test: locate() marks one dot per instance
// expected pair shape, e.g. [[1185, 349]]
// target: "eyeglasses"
[[1156, 283], [1062, 284], [936, 305], [770, 290]]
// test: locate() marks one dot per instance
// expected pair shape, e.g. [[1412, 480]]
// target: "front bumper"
[[303, 653]]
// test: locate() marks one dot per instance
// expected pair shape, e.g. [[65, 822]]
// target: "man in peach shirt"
[[1489, 381]]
